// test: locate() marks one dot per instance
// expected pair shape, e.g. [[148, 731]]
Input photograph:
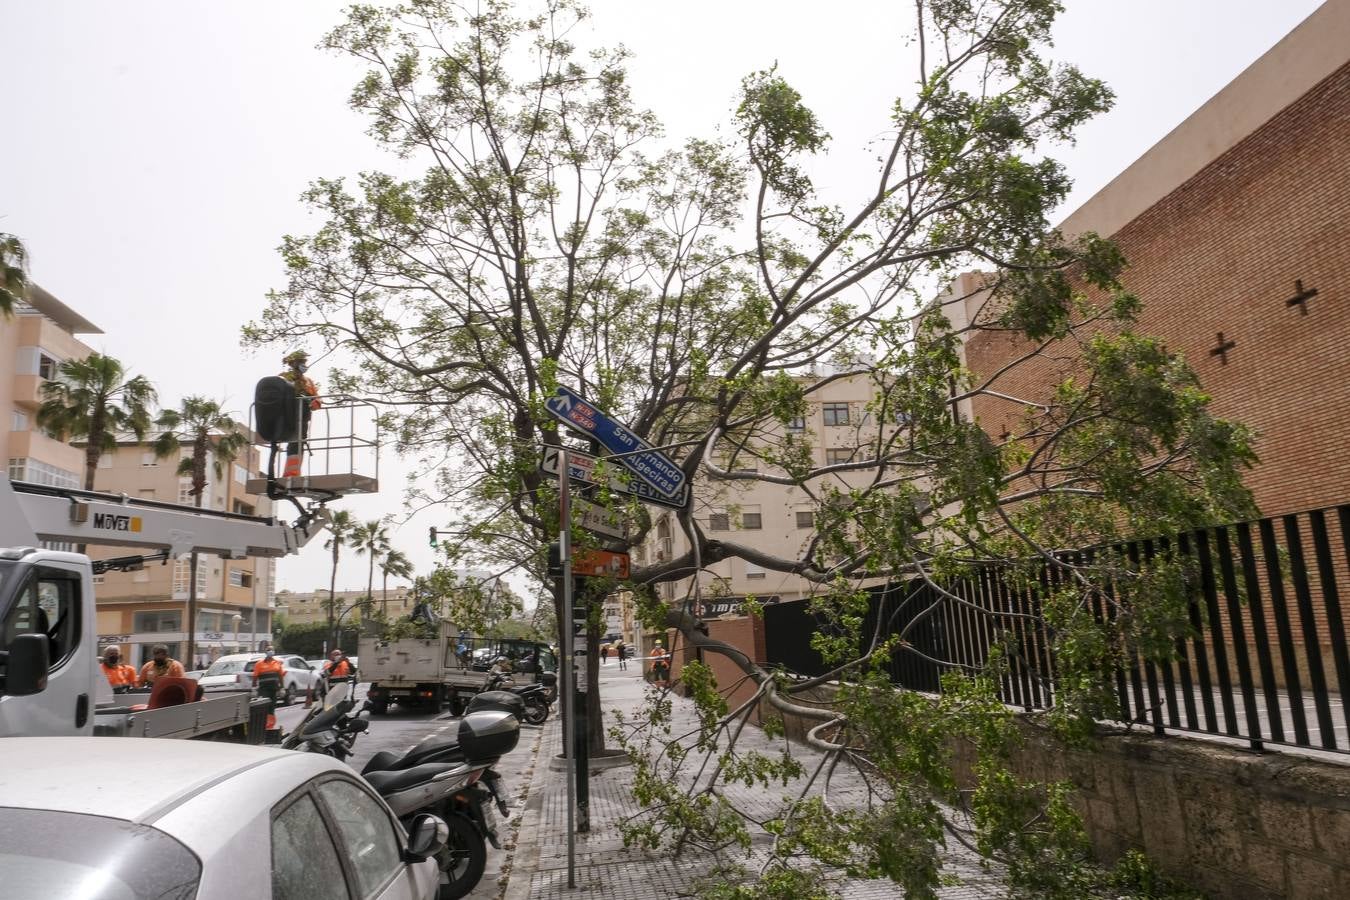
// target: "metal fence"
[[1265, 660]]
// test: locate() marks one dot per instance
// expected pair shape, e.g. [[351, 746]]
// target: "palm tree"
[[13, 273], [94, 400], [210, 432], [339, 529], [371, 538], [395, 563]]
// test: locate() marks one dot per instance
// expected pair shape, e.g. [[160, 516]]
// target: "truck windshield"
[[50, 854]]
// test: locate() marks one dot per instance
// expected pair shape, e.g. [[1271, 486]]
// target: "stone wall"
[[1231, 823], [1226, 821]]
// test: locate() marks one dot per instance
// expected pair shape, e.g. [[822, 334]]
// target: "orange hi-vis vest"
[[271, 666], [149, 672], [340, 669], [119, 675]]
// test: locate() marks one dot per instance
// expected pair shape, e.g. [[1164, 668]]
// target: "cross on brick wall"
[[1221, 351], [1301, 296]]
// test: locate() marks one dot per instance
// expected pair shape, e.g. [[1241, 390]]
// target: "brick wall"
[[743, 632], [1222, 253]]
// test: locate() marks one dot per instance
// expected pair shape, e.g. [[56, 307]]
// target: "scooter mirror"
[[426, 837]]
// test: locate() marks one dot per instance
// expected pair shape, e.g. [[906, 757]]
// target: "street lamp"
[[337, 622]]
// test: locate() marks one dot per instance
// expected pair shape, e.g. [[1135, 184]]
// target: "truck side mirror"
[[27, 665]]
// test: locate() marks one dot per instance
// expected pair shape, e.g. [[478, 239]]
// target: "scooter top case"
[[496, 701], [488, 735]]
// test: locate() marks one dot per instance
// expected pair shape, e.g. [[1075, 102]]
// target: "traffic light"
[[432, 532]]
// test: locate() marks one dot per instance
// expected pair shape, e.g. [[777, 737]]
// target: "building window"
[[242, 508], [98, 579], [147, 493], [797, 425], [753, 571], [806, 518], [18, 421], [31, 470], [836, 413], [836, 455], [240, 578], [751, 518], [719, 522], [157, 620], [181, 571], [48, 367], [149, 460], [240, 473]]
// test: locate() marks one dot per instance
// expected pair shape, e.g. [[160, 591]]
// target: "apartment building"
[[303, 608], [40, 336], [140, 609], [774, 519]]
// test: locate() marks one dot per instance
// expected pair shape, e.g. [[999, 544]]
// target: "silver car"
[[104, 818]]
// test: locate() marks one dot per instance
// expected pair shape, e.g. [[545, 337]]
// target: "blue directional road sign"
[[652, 466]]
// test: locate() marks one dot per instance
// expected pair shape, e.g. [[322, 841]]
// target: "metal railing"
[[1264, 659]]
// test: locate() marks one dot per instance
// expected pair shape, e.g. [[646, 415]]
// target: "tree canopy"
[[706, 291]]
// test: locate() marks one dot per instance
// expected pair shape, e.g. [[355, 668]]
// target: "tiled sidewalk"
[[604, 868]]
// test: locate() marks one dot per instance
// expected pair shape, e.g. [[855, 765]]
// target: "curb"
[[524, 859]]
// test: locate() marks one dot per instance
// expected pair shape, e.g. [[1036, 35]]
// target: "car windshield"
[[48, 854], [230, 666]]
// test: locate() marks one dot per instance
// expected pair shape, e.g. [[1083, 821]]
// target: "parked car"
[[98, 818], [235, 672]]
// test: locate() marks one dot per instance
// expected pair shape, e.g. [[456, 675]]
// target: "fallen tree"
[[706, 293]]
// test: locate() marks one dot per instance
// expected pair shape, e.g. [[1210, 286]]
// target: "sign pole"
[[568, 672]]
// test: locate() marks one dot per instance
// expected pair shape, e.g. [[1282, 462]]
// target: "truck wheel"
[[287, 696], [457, 705], [379, 707]]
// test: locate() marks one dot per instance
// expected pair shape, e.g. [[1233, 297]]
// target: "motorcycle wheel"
[[536, 711], [462, 860]]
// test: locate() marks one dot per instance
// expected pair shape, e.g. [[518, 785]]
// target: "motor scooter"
[[449, 775]]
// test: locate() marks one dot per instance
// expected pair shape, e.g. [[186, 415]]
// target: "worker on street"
[[621, 650], [159, 666], [267, 675], [660, 665], [296, 365], [121, 678], [338, 666]]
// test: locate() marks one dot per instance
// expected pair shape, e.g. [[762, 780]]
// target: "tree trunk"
[[332, 593], [94, 449], [595, 719], [198, 488], [384, 594], [370, 583]]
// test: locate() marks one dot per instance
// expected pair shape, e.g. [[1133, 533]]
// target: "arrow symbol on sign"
[[562, 401]]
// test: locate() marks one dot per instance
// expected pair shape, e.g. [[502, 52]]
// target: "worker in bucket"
[[297, 363]]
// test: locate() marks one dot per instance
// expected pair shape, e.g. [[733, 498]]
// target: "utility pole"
[[568, 673]]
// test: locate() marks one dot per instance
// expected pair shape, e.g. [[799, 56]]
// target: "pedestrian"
[[621, 650], [604, 654], [159, 666], [120, 678]]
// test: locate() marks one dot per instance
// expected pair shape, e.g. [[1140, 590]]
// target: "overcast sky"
[[154, 151]]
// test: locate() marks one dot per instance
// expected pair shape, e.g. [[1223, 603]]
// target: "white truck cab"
[[50, 682]]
